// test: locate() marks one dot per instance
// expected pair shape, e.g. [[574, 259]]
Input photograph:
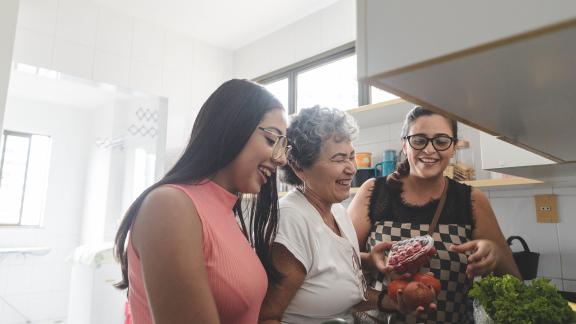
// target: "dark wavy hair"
[[403, 166], [223, 126]]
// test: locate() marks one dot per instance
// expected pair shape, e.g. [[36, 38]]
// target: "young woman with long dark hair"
[[184, 256]]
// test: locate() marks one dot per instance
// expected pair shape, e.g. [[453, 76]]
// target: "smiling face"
[[428, 162], [330, 177], [254, 165]]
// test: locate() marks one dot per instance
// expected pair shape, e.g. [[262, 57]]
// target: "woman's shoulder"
[[165, 210], [293, 199], [167, 196], [459, 187], [294, 207]]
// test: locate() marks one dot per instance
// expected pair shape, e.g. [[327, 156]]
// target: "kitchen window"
[[328, 79], [279, 89], [24, 165]]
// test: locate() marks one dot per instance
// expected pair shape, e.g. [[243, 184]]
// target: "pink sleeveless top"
[[236, 277]]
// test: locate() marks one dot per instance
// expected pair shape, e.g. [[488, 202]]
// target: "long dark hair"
[[223, 126], [403, 166]]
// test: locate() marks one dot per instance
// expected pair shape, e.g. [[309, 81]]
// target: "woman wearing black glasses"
[[467, 236]]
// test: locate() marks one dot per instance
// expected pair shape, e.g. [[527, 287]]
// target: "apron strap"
[[432, 227]]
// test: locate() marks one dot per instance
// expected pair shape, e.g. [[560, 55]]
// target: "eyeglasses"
[[440, 142], [359, 275], [280, 146]]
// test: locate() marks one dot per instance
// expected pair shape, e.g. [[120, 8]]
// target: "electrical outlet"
[[546, 210]]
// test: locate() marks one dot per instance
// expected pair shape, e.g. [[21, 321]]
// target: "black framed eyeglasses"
[[439, 142], [280, 146]]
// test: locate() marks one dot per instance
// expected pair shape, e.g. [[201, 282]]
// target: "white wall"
[[38, 285], [82, 39], [8, 9], [319, 32]]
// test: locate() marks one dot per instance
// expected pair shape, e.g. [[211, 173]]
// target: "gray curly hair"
[[308, 131]]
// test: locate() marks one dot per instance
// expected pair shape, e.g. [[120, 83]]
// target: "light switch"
[[546, 208]]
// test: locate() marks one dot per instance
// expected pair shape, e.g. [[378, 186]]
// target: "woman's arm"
[[278, 296], [358, 211], [490, 252], [167, 236]]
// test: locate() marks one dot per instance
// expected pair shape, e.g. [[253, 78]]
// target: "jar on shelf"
[[464, 168]]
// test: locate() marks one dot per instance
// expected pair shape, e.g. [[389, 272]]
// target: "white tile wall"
[[569, 285], [111, 68], [33, 48], [566, 234], [114, 33], [38, 15], [148, 42], [146, 76], [76, 22], [396, 130], [72, 58], [379, 139]]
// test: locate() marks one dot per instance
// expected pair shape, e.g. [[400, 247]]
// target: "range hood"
[[521, 89]]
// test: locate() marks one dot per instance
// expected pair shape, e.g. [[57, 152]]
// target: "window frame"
[[311, 63], [5, 134]]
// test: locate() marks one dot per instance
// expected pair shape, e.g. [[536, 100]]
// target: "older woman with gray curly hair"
[[316, 248]]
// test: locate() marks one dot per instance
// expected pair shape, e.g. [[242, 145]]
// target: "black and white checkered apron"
[[448, 267]]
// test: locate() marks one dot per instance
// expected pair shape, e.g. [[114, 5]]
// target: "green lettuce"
[[508, 300]]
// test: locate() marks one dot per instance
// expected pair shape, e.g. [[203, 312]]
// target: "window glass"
[[23, 178], [279, 89], [333, 84]]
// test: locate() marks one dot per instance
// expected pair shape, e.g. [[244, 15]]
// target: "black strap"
[[436, 217]]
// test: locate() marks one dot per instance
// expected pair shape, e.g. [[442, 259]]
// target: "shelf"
[[510, 181], [387, 112], [40, 250], [485, 183]]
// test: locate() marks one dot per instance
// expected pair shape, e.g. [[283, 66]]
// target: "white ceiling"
[[228, 24]]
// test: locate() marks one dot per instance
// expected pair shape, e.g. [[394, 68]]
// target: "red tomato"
[[417, 294], [394, 286], [428, 279]]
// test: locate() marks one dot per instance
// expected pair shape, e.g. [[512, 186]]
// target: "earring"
[[302, 187]]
